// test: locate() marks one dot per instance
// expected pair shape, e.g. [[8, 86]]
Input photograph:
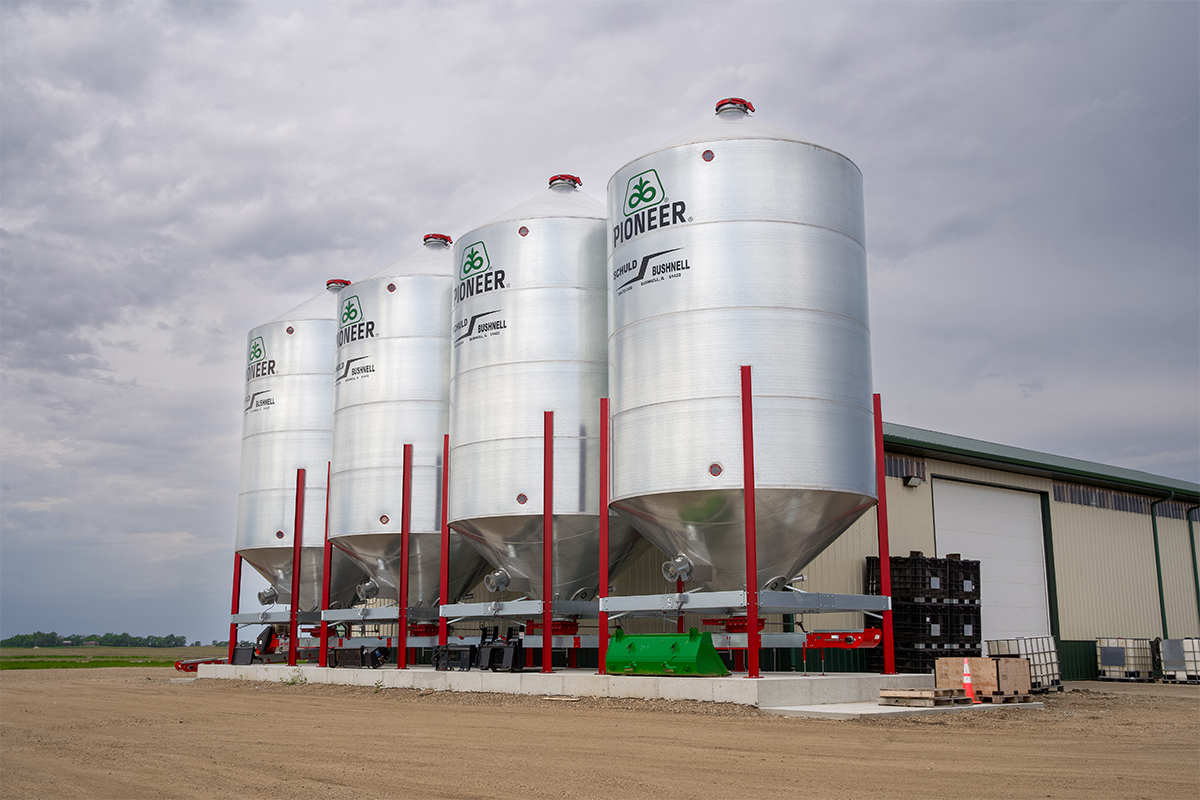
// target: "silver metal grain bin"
[[286, 426], [528, 337], [739, 244], [392, 388]]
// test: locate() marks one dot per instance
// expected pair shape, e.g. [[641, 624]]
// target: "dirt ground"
[[131, 733]]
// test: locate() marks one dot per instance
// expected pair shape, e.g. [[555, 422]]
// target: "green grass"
[[93, 657]]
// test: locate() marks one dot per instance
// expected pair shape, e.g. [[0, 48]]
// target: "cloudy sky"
[[173, 174]]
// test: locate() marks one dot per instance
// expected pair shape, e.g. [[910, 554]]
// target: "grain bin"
[[285, 427], [390, 389], [736, 244], [528, 337]]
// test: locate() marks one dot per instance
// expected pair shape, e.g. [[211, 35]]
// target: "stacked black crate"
[[935, 610], [963, 597]]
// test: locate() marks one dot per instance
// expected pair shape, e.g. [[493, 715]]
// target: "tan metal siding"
[[966, 472], [1179, 587], [910, 518], [1104, 563]]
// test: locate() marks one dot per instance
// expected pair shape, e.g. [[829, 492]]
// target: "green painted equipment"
[[690, 653]]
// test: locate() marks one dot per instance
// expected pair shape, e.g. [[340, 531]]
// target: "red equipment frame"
[[603, 625], [885, 567], [297, 541], [405, 529], [547, 541], [444, 586], [236, 604], [326, 567], [754, 639]]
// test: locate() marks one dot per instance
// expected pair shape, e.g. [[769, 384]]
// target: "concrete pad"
[[393, 678], [735, 689], [465, 681], [585, 685], [773, 690], [641, 687], [538, 684], [502, 682], [874, 710], [686, 689]]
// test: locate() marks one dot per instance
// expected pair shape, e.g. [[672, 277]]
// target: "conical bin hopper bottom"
[[379, 556], [275, 564], [792, 528], [515, 545]]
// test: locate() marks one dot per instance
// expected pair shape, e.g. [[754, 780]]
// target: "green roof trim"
[[959, 448]]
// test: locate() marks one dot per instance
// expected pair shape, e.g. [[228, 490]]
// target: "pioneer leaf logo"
[[259, 365], [353, 325], [476, 275], [258, 350], [351, 311], [475, 261], [647, 208], [642, 191]]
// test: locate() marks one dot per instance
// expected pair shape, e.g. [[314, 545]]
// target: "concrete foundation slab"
[[873, 710], [773, 690]]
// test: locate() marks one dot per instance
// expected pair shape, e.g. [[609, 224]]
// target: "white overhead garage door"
[[1002, 529]]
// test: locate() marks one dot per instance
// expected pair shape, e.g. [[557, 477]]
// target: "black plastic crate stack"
[[935, 610]]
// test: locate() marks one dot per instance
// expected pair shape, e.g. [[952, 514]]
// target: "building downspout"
[[1162, 601], [1192, 541]]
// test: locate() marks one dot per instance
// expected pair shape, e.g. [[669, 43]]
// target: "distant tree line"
[[52, 639]]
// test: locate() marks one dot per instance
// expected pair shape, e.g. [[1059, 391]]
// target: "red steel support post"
[[236, 604], [752, 633], [603, 625], [405, 520], [547, 543], [444, 575], [297, 541], [885, 567], [326, 568]]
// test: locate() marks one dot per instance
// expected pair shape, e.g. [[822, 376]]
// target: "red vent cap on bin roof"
[[738, 102]]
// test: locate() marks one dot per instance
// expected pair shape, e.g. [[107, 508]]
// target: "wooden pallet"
[[1190, 679], [1005, 698], [923, 698]]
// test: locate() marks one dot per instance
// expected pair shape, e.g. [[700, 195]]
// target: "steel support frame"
[[444, 557], [548, 535], [235, 605], [751, 530], [522, 609], [604, 551], [885, 565], [737, 602], [385, 614], [281, 616], [326, 569], [297, 543], [405, 530]]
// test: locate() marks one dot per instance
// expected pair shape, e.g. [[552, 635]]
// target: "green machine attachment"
[[690, 653]]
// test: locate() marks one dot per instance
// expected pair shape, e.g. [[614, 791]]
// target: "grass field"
[[90, 657]]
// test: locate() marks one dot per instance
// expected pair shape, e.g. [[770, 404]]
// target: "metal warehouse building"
[[1067, 548]]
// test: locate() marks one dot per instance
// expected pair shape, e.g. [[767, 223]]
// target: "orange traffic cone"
[[967, 685]]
